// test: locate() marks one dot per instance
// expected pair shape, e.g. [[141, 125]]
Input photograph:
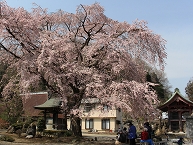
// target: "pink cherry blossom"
[[82, 55]]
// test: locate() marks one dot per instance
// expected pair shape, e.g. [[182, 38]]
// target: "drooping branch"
[[2, 46], [20, 42]]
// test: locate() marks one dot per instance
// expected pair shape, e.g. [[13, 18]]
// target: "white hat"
[[145, 129]]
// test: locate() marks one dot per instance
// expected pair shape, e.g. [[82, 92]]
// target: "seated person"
[[145, 137]]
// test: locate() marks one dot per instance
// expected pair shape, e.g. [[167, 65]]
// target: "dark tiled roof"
[[176, 96], [33, 99], [50, 103]]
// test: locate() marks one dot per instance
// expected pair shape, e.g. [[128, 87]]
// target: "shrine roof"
[[50, 103], [177, 96]]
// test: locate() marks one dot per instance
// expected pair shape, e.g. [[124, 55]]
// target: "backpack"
[[144, 135]]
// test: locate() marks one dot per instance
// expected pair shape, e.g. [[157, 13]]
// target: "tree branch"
[[2, 46]]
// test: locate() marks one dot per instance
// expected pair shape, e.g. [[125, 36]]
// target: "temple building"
[[178, 108]]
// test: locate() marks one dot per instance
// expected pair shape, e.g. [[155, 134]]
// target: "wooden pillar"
[[180, 121], [169, 120], [45, 117], [55, 119]]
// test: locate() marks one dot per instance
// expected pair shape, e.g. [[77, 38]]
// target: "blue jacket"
[[132, 132]]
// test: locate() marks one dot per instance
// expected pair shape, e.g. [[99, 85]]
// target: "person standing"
[[132, 134], [150, 131]]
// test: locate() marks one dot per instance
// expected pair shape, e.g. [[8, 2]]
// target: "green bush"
[[66, 133], [17, 126], [41, 125], [6, 138], [58, 132]]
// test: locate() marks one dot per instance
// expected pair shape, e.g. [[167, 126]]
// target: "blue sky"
[[173, 20]]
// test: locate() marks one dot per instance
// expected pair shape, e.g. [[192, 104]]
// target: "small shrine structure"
[[178, 108], [52, 113]]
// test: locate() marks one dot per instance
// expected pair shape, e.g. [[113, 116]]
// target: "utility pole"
[[0, 9]]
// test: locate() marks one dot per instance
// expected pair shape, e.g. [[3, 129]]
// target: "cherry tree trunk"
[[76, 125]]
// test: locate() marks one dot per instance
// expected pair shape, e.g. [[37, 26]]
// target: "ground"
[[87, 139], [56, 140]]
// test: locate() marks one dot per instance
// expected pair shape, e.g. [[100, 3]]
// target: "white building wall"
[[83, 125], [97, 116], [97, 124], [68, 124], [113, 124]]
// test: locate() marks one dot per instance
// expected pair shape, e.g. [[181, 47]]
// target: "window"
[[87, 107], [106, 108], [106, 124], [89, 124]]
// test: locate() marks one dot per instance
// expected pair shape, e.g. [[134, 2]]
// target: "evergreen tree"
[[162, 91]]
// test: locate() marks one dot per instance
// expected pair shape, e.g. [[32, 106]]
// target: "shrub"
[[66, 133], [41, 125], [17, 126], [7, 138], [58, 132]]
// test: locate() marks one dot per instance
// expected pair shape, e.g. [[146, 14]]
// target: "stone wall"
[[189, 127]]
